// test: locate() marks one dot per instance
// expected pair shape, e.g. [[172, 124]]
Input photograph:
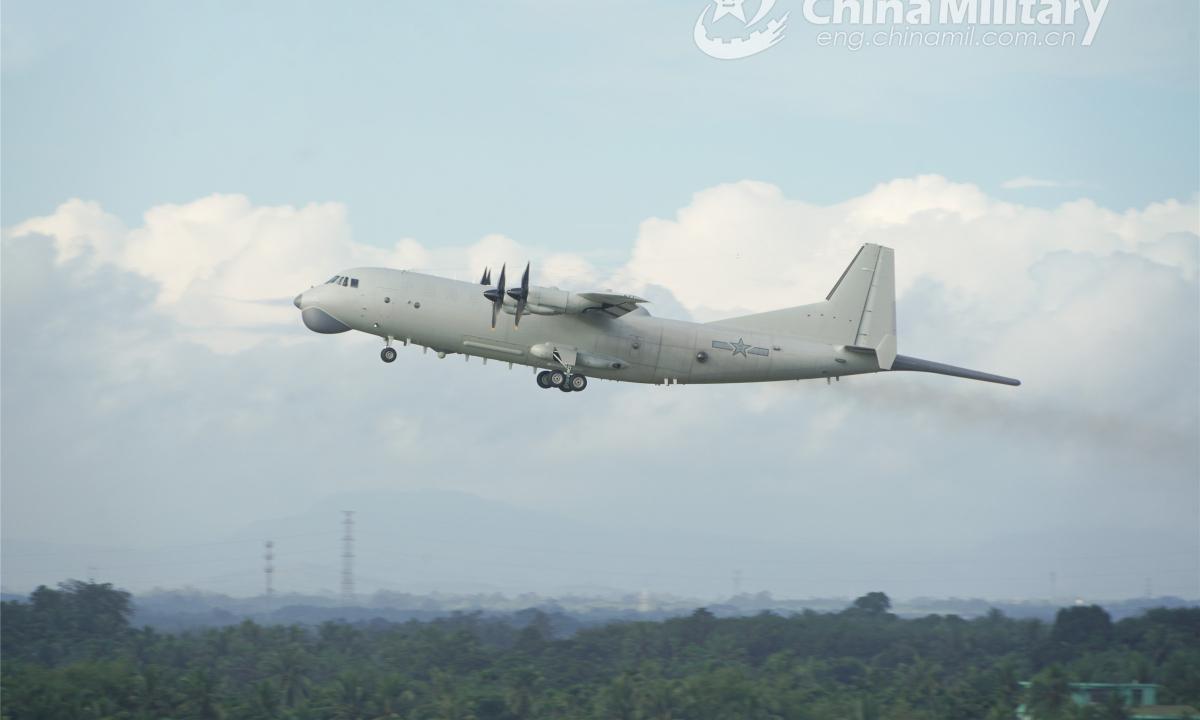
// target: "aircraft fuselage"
[[453, 317]]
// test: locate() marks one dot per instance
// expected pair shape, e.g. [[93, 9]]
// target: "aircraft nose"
[[296, 302]]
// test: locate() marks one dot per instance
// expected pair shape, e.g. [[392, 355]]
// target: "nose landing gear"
[[388, 354], [547, 379]]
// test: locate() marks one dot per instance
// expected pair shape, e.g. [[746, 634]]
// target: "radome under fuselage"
[[453, 317]]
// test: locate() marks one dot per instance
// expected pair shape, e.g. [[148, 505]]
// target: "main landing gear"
[[547, 379]]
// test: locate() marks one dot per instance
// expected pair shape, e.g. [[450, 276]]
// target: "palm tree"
[[1050, 694], [264, 702], [151, 696], [1114, 708], [659, 700], [350, 697], [449, 703], [104, 709], [520, 695], [395, 701], [290, 669], [617, 700], [200, 689], [455, 706]]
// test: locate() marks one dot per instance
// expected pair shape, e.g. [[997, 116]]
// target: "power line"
[[786, 561], [165, 547], [168, 564]]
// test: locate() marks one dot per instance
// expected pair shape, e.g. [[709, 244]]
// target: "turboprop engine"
[[569, 357], [536, 300], [548, 301]]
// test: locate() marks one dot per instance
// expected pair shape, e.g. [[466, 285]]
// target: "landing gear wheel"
[[388, 354], [565, 387], [577, 383], [543, 380], [558, 378]]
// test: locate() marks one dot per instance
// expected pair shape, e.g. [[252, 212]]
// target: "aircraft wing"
[[614, 304]]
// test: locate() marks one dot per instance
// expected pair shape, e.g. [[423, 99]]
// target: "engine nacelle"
[[548, 301]]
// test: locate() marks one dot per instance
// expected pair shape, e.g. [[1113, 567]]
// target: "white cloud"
[[764, 251], [1067, 299], [226, 269]]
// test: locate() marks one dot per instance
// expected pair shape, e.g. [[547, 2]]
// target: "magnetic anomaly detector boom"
[[573, 336]]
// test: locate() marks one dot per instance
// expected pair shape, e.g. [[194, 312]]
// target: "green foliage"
[[873, 603], [78, 620], [1049, 696], [70, 654], [1083, 626]]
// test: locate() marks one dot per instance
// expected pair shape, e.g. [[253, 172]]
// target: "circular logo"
[[738, 47]]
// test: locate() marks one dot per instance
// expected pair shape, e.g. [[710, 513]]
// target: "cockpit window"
[[353, 282], [345, 281], [334, 279]]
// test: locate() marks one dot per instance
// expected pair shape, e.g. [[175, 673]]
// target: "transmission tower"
[[348, 558], [268, 571]]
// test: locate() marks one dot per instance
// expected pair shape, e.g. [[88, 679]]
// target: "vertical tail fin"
[[859, 311], [878, 327]]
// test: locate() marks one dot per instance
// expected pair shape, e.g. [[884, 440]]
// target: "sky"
[[175, 173]]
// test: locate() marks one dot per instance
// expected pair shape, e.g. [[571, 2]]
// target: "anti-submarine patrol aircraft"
[[573, 336]]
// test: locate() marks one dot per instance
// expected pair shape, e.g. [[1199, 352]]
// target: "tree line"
[[71, 653]]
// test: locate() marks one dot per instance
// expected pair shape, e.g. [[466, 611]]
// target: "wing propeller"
[[521, 295], [496, 294]]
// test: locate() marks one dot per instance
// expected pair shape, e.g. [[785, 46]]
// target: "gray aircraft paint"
[[851, 332]]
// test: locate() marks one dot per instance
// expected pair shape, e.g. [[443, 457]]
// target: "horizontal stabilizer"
[[885, 354], [911, 364]]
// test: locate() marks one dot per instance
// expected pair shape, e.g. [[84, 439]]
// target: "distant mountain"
[[434, 541]]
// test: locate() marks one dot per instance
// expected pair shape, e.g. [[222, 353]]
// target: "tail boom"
[[911, 364]]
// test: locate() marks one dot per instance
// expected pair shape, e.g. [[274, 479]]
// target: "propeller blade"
[[499, 301], [523, 297], [487, 277]]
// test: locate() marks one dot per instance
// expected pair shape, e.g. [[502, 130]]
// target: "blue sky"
[[563, 125], [174, 173]]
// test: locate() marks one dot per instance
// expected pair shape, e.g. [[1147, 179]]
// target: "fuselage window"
[[353, 282]]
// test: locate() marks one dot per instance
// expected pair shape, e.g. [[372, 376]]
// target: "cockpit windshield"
[[334, 279]]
